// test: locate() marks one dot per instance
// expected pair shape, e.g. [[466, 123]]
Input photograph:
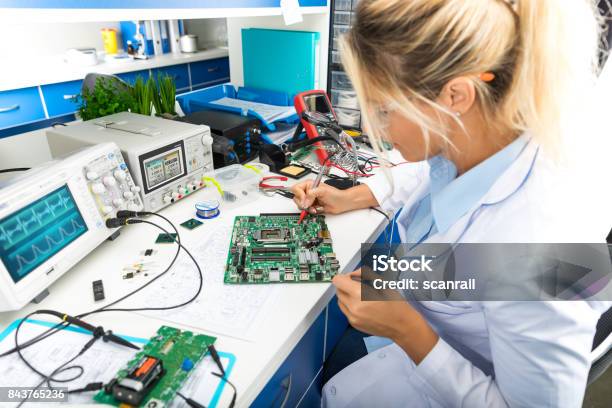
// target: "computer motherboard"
[[272, 248]]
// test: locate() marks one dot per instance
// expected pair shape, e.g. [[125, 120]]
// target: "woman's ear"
[[458, 95]]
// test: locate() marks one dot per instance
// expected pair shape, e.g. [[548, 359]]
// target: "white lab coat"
[[490, 354]]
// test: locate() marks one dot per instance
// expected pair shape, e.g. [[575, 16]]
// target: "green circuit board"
[[274, 248], [172, 346]]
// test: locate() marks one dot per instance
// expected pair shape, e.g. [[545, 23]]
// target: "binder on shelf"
[[148, 35], [280, 60], [174, 34], [156, 37], [165, 42]]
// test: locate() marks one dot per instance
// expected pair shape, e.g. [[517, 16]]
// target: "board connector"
[[139, 381]]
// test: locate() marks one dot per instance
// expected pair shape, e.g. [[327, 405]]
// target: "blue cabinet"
[[20, 106], [60, 98], [298, 372], [209, 72], [180, 73], [336, 325], [130, 77], [27, 109]]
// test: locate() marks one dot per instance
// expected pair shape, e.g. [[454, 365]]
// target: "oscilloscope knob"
[[167, 199], [135, 189], [92, 175], [117, 202], [128, 195], [119, 175], [107, 209], [98, 188], [109, 181]]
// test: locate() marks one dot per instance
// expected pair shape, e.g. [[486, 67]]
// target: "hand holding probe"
[[316, 183]]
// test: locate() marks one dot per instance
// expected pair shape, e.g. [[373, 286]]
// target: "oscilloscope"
[[52, 216], [167, 158]]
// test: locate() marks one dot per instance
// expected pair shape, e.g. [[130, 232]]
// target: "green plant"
[[107, 97], [143, 96], [167, 94]]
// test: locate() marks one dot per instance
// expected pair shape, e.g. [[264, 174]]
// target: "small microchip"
[[98, 290], [304, 276], [166, 238], [191, 224], [274, 276]]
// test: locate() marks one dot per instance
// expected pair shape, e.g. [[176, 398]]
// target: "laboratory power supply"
[[167, 158], [53, 215]]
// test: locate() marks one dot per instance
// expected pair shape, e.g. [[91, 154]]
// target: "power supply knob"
[[92, 175], [120, 175], [107, 209], [117, 202], [109, 181], [98, 188], [167, 199], [128, 195]]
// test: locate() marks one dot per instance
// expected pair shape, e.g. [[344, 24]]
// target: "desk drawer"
[[208, 71], [59, 98], [20, 106], [180, 73]]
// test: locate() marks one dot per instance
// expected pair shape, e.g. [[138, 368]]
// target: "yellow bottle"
[[109, 36]]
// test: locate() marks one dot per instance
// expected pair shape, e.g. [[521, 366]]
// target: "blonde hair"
[[400, 54]]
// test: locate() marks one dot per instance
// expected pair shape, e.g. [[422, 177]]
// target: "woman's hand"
[[323, 199], [330, 200], [393, 317]]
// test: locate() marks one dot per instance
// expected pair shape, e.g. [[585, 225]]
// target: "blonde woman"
[[475, 93]]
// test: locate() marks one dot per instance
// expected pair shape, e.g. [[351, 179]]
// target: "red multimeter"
[[314, 101]]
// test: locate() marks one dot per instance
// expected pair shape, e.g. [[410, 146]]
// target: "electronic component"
[[166, 238], [191, 224], [52, 216], [139, 381], [274, 248], [167, 158], [98, 290], [158, 371], [236, 137]]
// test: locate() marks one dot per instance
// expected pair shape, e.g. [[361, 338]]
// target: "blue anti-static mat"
[[215, 399]]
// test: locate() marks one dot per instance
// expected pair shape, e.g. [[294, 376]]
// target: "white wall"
[[211, 32], [24, 40], [312, 22]]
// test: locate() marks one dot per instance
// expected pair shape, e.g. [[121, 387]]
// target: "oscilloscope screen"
[[38, 231]]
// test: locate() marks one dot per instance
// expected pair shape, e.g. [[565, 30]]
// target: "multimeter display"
[[317, 103]]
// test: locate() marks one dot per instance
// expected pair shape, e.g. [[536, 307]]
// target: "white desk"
[[298, 304]]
